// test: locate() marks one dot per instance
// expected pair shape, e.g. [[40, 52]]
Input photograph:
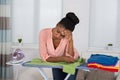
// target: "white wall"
[[23, 20], [81, 8], [30, 16], [118, 24], [103, 25]]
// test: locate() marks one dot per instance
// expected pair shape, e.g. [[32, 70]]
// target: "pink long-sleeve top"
[[46, 46]]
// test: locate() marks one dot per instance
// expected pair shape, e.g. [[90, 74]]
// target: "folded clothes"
[[103, 59], [115, 68]]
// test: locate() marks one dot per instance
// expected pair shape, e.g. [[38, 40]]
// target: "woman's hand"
[[68, 34], [69, 59]]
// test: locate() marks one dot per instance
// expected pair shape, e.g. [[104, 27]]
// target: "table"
[[83, 67]]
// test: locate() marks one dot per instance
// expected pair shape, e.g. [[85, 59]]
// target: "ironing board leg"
[[66, 78], [43, 74]]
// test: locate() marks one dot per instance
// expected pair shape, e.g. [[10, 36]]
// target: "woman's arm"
[[70, 49], [42, 45], [61, 59]]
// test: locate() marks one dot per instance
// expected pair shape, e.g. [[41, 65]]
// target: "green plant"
[[19, 40], [110, 44]]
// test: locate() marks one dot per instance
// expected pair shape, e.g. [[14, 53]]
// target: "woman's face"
[[58, 32]]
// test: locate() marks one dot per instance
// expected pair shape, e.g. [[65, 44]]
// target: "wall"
[[118, 24], [81, 33], [103, 23], [30, 16], [22, 19]]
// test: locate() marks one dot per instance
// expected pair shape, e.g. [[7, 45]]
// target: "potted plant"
[[19, 39], [109, 46]]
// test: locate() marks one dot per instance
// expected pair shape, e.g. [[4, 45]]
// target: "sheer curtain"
[[6, 71]]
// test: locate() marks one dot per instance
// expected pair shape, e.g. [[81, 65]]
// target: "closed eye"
[[58, 31], [63, 36]]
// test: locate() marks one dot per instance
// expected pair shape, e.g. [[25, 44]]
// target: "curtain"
[[6, 71]]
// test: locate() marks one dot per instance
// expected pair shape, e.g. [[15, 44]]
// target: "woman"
[[56, 44]]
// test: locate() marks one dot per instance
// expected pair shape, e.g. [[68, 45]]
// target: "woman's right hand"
[[68, 34], [69, 59]]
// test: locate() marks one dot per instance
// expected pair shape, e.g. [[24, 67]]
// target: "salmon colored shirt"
[[47, 49]]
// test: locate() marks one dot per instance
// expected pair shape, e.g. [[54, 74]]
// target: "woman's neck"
[[56, 42]]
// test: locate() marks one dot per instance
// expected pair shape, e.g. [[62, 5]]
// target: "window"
[[30, 16], [104, 26]]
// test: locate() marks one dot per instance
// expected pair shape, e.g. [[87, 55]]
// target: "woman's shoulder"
[[45, 30]]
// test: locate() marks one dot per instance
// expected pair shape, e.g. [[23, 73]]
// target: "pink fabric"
[[46, 46]]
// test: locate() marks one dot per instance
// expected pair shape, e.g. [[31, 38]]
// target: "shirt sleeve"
[[42, 46]]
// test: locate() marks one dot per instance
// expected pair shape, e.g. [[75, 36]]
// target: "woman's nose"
[[62, 33], [58, 35]]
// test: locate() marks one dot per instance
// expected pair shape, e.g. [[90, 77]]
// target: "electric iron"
[[17, 56]]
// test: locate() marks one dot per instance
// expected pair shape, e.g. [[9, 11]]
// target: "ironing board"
[[25, 64]]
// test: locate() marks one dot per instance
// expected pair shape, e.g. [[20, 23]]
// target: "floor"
[[31, 74]]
